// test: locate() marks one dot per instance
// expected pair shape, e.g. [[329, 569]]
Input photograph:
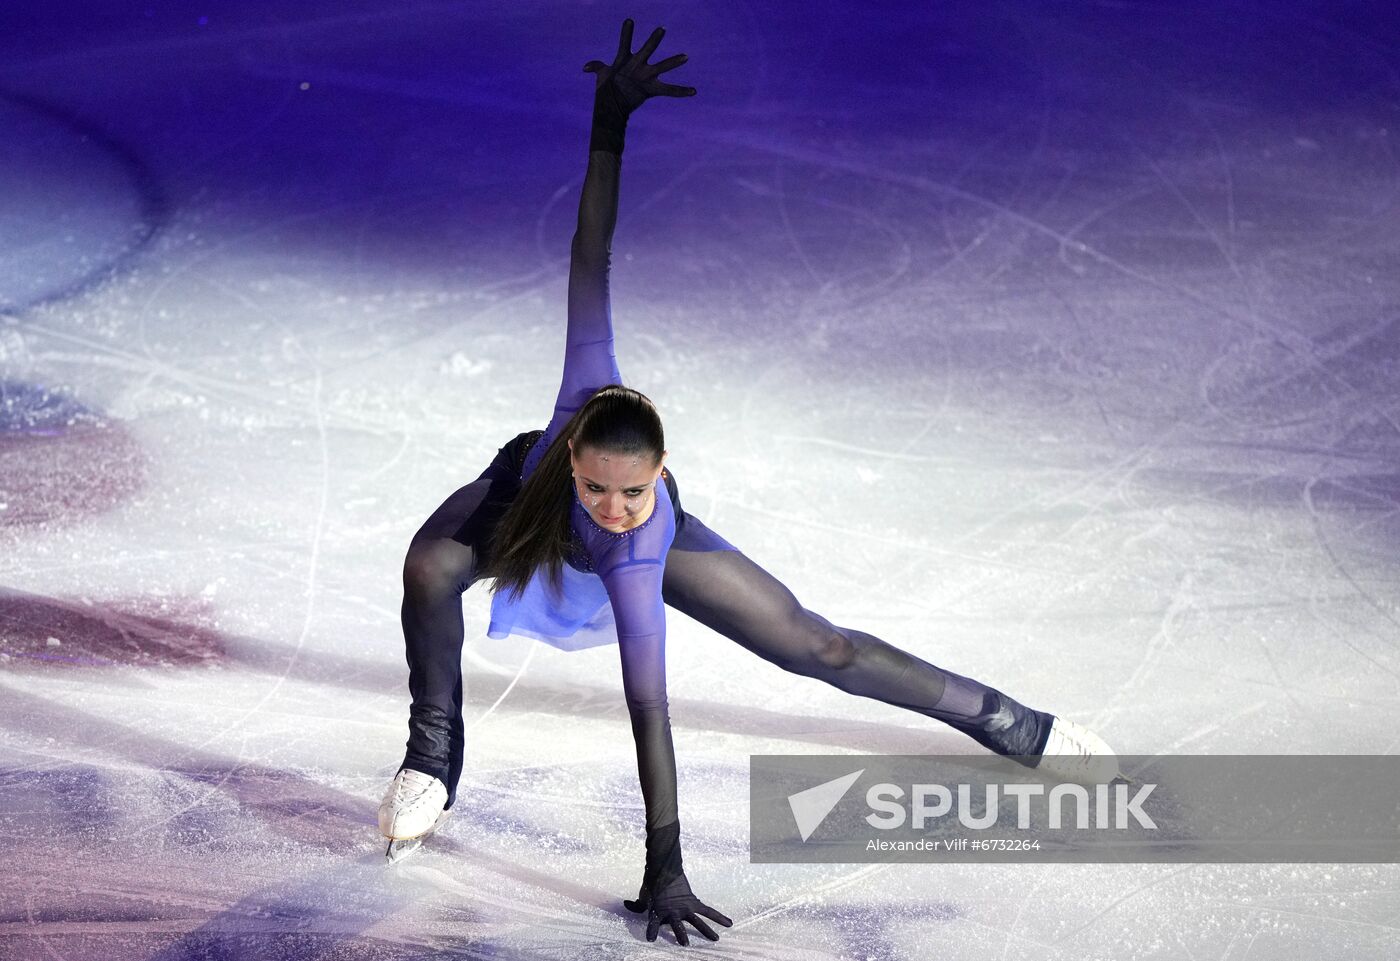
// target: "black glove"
[[666, 896], [625, 85]]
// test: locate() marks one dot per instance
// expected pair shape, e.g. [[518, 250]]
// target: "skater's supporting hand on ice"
[[665, 896], [625, 84]]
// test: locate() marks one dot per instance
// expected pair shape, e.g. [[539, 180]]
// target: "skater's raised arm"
[[621, 87], [589, 358]]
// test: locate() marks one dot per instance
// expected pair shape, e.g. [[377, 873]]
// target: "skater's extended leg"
[[729, 593]]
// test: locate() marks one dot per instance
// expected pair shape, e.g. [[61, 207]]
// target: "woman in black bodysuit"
[[582, 530]]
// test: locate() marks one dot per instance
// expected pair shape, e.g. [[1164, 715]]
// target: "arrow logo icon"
[[810, 807]]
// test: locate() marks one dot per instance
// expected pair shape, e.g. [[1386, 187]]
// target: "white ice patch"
[[458, 364]]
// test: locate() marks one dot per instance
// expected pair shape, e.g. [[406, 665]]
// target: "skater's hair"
[[534, 532]]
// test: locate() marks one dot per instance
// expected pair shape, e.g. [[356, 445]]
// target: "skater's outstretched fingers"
[[658, 88], [639, 59], [715, 916], [624, 44], [670, 63], [695, 921], [677, 912], [634, 77], [620, 59]]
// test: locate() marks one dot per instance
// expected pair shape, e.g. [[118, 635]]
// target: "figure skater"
[[580, 526]]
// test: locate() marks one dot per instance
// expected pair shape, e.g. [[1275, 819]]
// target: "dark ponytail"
[[534, 532]]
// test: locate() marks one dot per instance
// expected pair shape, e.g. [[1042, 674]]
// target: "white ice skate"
[[1075, 753], [412, 809]]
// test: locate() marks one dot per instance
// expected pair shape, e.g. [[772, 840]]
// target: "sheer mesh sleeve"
[[589, 358], [631, 566]]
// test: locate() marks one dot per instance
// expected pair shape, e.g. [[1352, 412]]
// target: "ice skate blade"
[[400, 848]]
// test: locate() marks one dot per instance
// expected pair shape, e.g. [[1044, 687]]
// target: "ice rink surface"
[[1058, 343]]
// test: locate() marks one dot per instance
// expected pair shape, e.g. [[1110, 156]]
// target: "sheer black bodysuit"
[[671, 560]]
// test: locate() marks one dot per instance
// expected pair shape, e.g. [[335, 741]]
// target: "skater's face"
[[618, 490]]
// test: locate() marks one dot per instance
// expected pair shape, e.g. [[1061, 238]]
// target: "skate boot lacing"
[[411, 787]]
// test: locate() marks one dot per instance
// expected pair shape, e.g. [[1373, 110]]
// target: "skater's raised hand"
[[626, 84], [632, 76], [676, 905]]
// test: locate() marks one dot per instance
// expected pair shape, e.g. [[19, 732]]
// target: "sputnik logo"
[[810, 807]]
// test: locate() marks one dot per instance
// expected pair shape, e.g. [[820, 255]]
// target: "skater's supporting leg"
[[729, 593], [443, 560], [436, 571]]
